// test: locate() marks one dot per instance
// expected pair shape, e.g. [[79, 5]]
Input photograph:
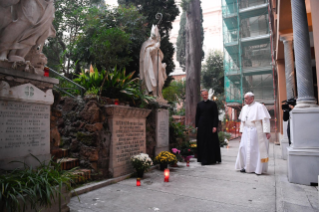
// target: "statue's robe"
[[150, 57], [253, 148], [208, 147]]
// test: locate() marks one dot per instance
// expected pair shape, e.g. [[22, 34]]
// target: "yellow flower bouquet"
[[165, 157]]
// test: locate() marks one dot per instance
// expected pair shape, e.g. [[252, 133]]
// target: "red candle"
[[187, 163], [116, 102], [138, 182], [166, 175], [46, 71]]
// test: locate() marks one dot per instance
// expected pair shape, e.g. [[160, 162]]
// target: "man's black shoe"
[[243, 170]]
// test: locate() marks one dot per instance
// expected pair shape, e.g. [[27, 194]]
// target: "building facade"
[[296, 51], [247, 53]]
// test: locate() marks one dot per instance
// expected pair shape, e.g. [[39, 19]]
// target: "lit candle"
[[166, 175], [46, 71], [116, 102], [138, 181]]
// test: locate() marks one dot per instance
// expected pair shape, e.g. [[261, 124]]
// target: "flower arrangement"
[[141, 162], [165, 157]]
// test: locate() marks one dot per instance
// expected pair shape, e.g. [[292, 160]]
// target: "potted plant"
[[164, 158], [141, 163], [187, 153], [177, 152]]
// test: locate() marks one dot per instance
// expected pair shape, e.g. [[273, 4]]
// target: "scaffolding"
[[247, 51]]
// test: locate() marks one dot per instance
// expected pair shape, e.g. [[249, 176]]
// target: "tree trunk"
[[193, 60]]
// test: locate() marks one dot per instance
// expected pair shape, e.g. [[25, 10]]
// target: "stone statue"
[[24, 27], [151, 56]]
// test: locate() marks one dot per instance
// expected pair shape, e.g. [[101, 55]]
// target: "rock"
[[55, 138], [75, 145], [91, 112], [69, 104], [72, 116], [60, 123], [87, 139], [94, 127], [91, 153]]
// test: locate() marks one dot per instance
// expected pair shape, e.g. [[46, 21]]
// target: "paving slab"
[[204, 189]]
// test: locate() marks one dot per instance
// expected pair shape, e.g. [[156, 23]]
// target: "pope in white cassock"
[[255, 128]]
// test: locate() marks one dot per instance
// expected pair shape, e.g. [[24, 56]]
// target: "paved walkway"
[[205, 189]]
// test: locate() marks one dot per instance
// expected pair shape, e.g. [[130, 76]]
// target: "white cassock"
[[253, 148]]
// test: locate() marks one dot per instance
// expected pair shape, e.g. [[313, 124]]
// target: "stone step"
[[68, 163], [82, 175], [59, 153]]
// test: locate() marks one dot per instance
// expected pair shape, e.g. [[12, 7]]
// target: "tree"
[[68, 22], [213, 72], [194, 54], [175, 92], [111, 37], [213, 76], [169, 10], [181, 41]]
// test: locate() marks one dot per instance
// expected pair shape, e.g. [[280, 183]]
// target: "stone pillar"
[[128, 131], [302, 54], [290, 84], [162, 130], [289, 66], [314, 4], [282, 95], [303, 154]]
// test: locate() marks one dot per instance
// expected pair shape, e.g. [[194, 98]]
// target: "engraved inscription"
[[24, 129], [162, 128], [129, 140]]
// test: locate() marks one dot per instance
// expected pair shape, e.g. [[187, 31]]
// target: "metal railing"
[[66, 85]]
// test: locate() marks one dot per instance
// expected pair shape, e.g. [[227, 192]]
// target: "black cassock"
[[208, 148]]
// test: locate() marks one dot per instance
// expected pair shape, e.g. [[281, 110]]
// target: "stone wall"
[[81, 127]]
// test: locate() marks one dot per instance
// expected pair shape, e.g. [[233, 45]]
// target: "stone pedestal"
[[128, 131], [162, 130], [25, 101], [284, 142], [303, 154]]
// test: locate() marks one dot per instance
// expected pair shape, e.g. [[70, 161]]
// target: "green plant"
[[90, 80], [37, 187], [221, 137], [117, 83], [165, 157]]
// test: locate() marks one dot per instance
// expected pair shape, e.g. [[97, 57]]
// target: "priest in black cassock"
[[208, 149]]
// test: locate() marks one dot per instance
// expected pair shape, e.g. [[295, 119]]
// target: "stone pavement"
[[204, 189]]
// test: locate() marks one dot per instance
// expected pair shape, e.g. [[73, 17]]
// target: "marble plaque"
[[162, 128], [24, 124], [24, 129]]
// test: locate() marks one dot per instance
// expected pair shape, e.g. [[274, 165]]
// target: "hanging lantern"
[[166, 175]]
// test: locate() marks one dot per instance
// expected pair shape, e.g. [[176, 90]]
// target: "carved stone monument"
[[25, 101], [128, 130], [162, 130]]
